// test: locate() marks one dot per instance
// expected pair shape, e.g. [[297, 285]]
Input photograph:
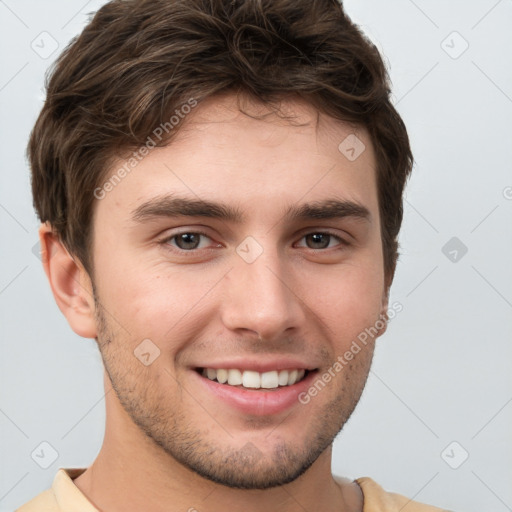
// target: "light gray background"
[[442, 371]]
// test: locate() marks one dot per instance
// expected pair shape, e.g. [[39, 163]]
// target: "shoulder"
[[376, 499], [44, 502], [62, 496]]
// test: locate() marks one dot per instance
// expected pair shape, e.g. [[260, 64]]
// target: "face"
[[248, 250]]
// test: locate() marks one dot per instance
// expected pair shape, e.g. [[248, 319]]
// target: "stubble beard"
[[165, 423]]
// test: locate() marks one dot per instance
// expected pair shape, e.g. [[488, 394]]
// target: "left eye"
[[188, 241], [321, 240]]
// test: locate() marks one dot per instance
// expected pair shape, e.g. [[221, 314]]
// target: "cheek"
[[349, 299], [157, 303]]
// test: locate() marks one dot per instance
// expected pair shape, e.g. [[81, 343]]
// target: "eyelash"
[[165, 241]]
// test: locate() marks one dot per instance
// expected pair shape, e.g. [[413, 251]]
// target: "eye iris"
[[187, 240], [316, 238]]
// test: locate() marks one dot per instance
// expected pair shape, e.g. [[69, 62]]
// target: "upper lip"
[[255, 365]]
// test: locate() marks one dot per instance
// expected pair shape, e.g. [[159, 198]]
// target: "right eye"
[[186, 241]]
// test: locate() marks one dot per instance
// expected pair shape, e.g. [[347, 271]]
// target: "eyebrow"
[[172, 206]]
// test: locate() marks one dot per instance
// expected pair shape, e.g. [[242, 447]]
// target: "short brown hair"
[[137, 61]]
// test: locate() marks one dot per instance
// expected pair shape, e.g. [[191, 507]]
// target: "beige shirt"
[[64, 496]]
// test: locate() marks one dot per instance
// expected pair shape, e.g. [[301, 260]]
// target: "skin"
[[169, 445]]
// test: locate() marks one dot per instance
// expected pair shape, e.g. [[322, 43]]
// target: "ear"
[[383, 317], [70, 283]]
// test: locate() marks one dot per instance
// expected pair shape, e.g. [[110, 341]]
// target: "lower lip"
[[256, 402]]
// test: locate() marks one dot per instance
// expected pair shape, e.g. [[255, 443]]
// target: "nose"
[[261, 297]]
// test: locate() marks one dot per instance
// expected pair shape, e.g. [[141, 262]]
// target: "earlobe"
[[70, 283]]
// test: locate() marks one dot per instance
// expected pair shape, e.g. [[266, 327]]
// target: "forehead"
[[227, 150], [239, 125]]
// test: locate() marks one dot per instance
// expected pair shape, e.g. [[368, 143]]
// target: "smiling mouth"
[[252, 380]]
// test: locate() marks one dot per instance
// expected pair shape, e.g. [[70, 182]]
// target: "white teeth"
[[251, 380], [283, 378], [269, 380], [234, 377], [292, 377], [222, 376], [254, 380]]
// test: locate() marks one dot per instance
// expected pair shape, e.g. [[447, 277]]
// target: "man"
[[220, 189]]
